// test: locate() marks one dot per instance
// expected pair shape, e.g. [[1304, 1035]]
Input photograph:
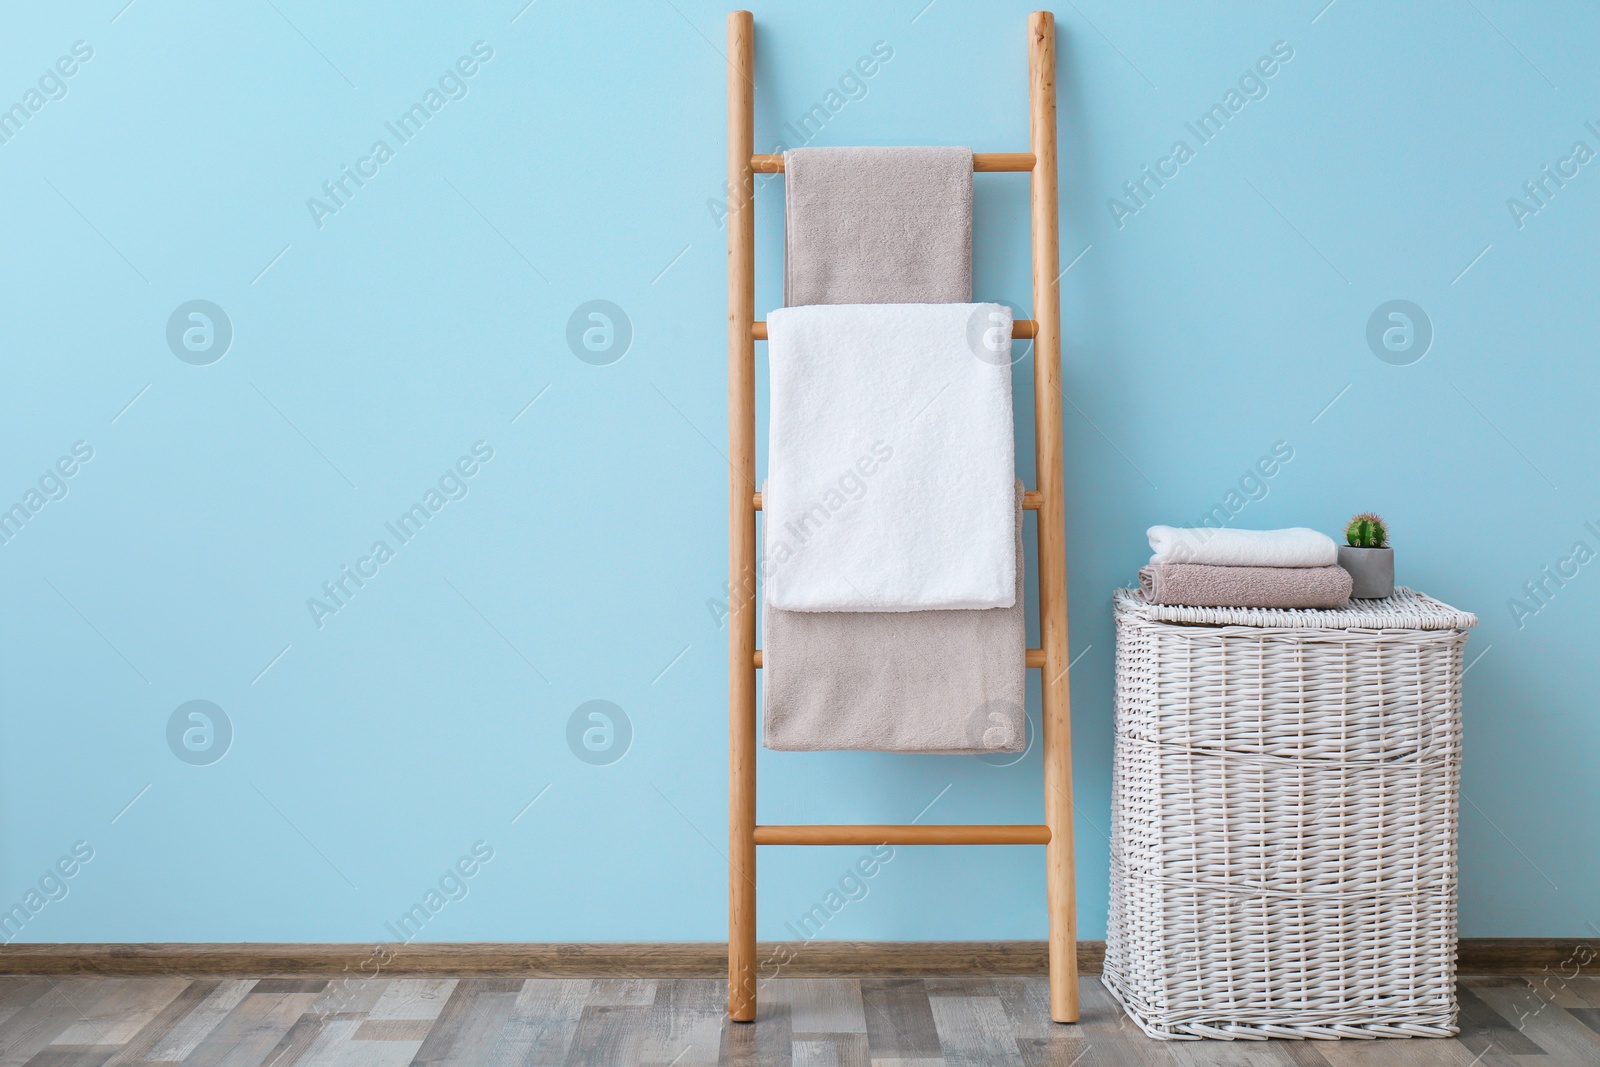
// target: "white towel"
[[890, 458], [1294, 547]]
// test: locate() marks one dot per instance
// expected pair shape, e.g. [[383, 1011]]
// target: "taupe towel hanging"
[[877, 226]]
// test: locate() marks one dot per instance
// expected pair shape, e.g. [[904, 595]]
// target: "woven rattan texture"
[[1283, 822]]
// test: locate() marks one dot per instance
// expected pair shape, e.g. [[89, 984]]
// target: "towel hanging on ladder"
[[946, 682], [891, 459], [877, 226]]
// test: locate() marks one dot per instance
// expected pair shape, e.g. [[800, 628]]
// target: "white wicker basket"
[[1283, 819]]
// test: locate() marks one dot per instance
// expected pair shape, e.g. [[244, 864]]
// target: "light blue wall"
[[369, 754]]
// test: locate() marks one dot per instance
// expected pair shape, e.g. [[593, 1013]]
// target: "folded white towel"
[[890, 460], [1294, 547]]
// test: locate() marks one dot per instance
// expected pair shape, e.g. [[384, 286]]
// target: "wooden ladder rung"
[[982, 162], [1033, 658], [903, 835], [1032, 500], [1020, 328]]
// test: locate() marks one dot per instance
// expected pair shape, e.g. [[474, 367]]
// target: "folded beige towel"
[[877, 226], [1202, 585], [947, 682]]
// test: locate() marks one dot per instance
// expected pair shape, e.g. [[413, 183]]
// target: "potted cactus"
[[1368, 557]]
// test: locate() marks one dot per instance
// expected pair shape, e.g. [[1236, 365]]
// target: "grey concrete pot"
[[1371, 570]]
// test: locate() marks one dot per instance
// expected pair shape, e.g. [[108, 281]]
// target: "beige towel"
[[877, 226], [1202, 585], [947, 682]]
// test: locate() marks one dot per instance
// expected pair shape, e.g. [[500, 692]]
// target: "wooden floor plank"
[[349, 994], [413, 998], [1415, 1052], [1589, 1017], [684, 1025], [72, 1056], [1557, 989], [290, 985], [188, 1031], [1110, 1037], [767, 1042], [830, 1050], [813, 1052], [819, 1005], [1054, 1050], [899, 1020], [471, 1023], [336, 1049], [128, 1006], [1563, 1037], [1231, 1053], [40, 1022], [250, 1031], [393, 1030], [378, 1054], [1483, 1027], [327, 1044], [1027, 1005], [1305, 1053], [542, 1022], [18, 993], [977, 986], [297, 1040], [623, 992], [974, 1032], [607, 1034], [1585, 986], [138, 1048]]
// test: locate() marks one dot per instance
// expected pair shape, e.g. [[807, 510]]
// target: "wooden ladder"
[[743, 503]]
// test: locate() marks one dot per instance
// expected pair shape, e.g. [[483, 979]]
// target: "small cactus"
[[1367, 530]]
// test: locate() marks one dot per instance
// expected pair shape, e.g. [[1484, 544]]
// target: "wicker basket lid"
[[1406, 609]]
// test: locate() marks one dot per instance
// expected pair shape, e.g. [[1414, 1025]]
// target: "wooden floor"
[[91, 1022]]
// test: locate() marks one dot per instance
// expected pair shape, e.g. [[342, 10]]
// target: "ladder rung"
[[1020, 328], [981, 162], [1034, 658], [1032, 500], [903, 835]]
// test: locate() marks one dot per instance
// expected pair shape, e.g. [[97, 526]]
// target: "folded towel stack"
[[1205, 568]]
